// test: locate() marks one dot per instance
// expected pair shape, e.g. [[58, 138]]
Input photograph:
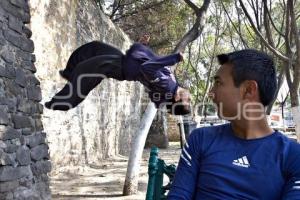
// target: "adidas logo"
[[242, 162], [297, 185]]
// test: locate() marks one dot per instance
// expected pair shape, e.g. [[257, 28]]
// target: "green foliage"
[[226, 29], [165, 20]]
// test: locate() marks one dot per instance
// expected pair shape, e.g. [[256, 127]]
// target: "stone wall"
[[24, 157], [104, 124]]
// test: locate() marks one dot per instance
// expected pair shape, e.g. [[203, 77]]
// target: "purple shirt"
[[141, 64]]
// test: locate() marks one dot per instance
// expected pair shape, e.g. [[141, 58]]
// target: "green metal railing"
[[156, 170]]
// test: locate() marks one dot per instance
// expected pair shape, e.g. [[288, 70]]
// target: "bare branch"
[[295, 34], [294, 28], [248, 30], [282, 25], [196, 30], [192, 6], [275, 51], [288, 64], [234, 26], [266, 9], [115, 7], [288, 32], [254, 6], [279, 81], [267, 26], [137, 11]]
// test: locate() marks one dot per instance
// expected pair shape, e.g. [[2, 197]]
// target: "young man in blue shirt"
[[244, 159], [91, 63]]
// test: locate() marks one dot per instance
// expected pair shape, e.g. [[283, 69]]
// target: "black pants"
[[86, 68]]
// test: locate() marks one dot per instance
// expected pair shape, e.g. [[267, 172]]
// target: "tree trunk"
[[158, 133], [296, 117], [138, 143], [296, 112], [280, 82], [182, 133], [197, 28], [131, 180]]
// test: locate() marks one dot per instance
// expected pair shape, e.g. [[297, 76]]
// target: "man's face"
[[224, 94]]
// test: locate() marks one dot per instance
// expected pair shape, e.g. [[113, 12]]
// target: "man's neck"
[[251, 129]]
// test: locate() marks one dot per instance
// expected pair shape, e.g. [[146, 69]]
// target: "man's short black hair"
[[250, 64]]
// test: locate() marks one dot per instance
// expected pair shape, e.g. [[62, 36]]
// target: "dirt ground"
[[106, 181]]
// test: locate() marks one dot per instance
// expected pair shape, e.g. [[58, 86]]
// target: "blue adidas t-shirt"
[[215, 164]]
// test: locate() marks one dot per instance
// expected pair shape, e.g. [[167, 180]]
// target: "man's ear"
[[250, 90]]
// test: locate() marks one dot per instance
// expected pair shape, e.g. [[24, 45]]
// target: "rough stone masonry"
[[101, 127], [104, 124], [24, 157]]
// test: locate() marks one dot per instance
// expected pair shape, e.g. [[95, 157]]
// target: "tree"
[[163, 19], [138, 143], [195, 73], [288, 50], [247, 36], [130, 186], [282, 99]]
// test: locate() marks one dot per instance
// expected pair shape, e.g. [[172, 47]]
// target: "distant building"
[[276, 121]]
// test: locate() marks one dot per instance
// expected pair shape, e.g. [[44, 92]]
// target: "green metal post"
[[152, 170], [159, 179]]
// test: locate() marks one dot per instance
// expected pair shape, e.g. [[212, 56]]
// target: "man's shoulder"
[[213, 129], [289, 144], [294, 147], [289, 149], [210, 132], [203, 138]]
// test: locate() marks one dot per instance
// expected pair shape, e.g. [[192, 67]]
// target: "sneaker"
[[56, 106], [48, 104], [64, 74]]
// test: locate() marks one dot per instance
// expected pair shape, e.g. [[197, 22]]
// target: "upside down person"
[[91, 63]]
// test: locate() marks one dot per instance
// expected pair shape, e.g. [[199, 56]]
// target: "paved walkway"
[[106, 180]]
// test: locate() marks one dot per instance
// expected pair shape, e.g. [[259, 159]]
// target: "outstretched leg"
[[86, 76], [85, 52]]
